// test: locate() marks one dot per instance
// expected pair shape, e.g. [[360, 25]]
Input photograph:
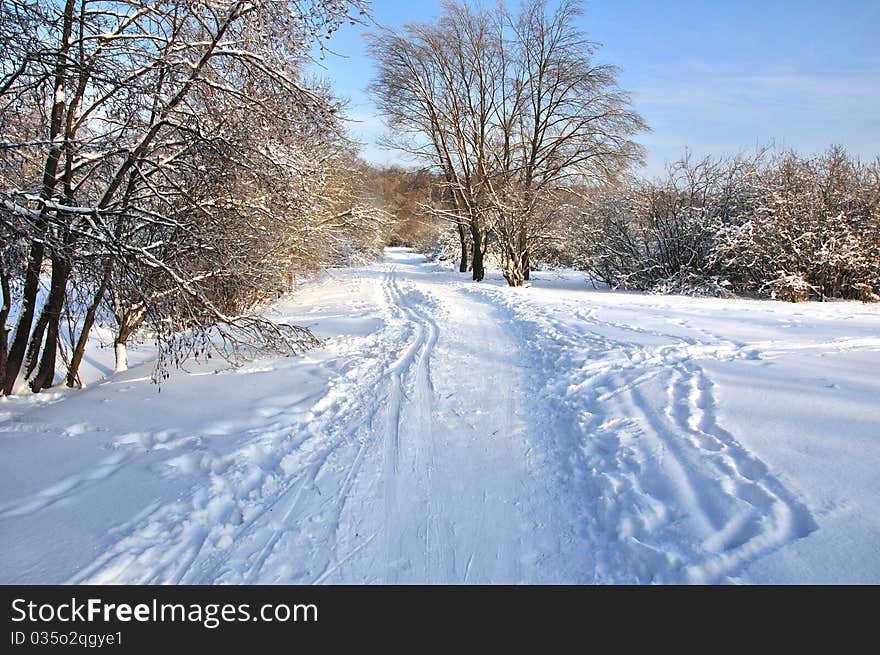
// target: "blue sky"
[[715, 77]]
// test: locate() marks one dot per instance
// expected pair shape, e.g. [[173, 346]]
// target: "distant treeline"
[[777, 224]]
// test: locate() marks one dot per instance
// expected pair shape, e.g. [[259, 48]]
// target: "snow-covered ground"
[[459, 432]]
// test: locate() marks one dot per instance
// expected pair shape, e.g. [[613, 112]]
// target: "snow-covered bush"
[[784, 226], [815, 232], [788, 287], [689, 283], [442, 245], [644, 235]]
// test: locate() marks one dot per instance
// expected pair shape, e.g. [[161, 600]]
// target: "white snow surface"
[[454, 432]]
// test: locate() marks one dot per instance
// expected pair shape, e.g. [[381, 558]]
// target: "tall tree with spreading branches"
[[511, 108]]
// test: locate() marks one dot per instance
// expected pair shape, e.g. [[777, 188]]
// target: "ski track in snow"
[[476, 436], [293, 498], [349, 482], [672, 497]]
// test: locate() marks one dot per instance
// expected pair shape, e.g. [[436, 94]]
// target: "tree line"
[[527, 144], [167, 167]]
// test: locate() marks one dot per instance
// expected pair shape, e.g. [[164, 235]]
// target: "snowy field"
[[452, 432]]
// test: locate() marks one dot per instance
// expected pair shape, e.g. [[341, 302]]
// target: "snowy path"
[[409, 464], [459, 433]]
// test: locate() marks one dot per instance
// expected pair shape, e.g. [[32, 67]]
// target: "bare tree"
[[434, 88], [511, 109]]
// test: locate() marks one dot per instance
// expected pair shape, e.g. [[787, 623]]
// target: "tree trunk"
[[514, 279], [46, 372], [526, 265], [50, 179], [462, 238], [91, 312], [119, 344], [477, 255], [33, 351], [89, 320], [513, 271], [4, 314], [129, 321], [19, 345], [121, 354]]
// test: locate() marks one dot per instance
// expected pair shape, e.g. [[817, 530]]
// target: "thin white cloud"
[[744, 97], [726, 113]]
